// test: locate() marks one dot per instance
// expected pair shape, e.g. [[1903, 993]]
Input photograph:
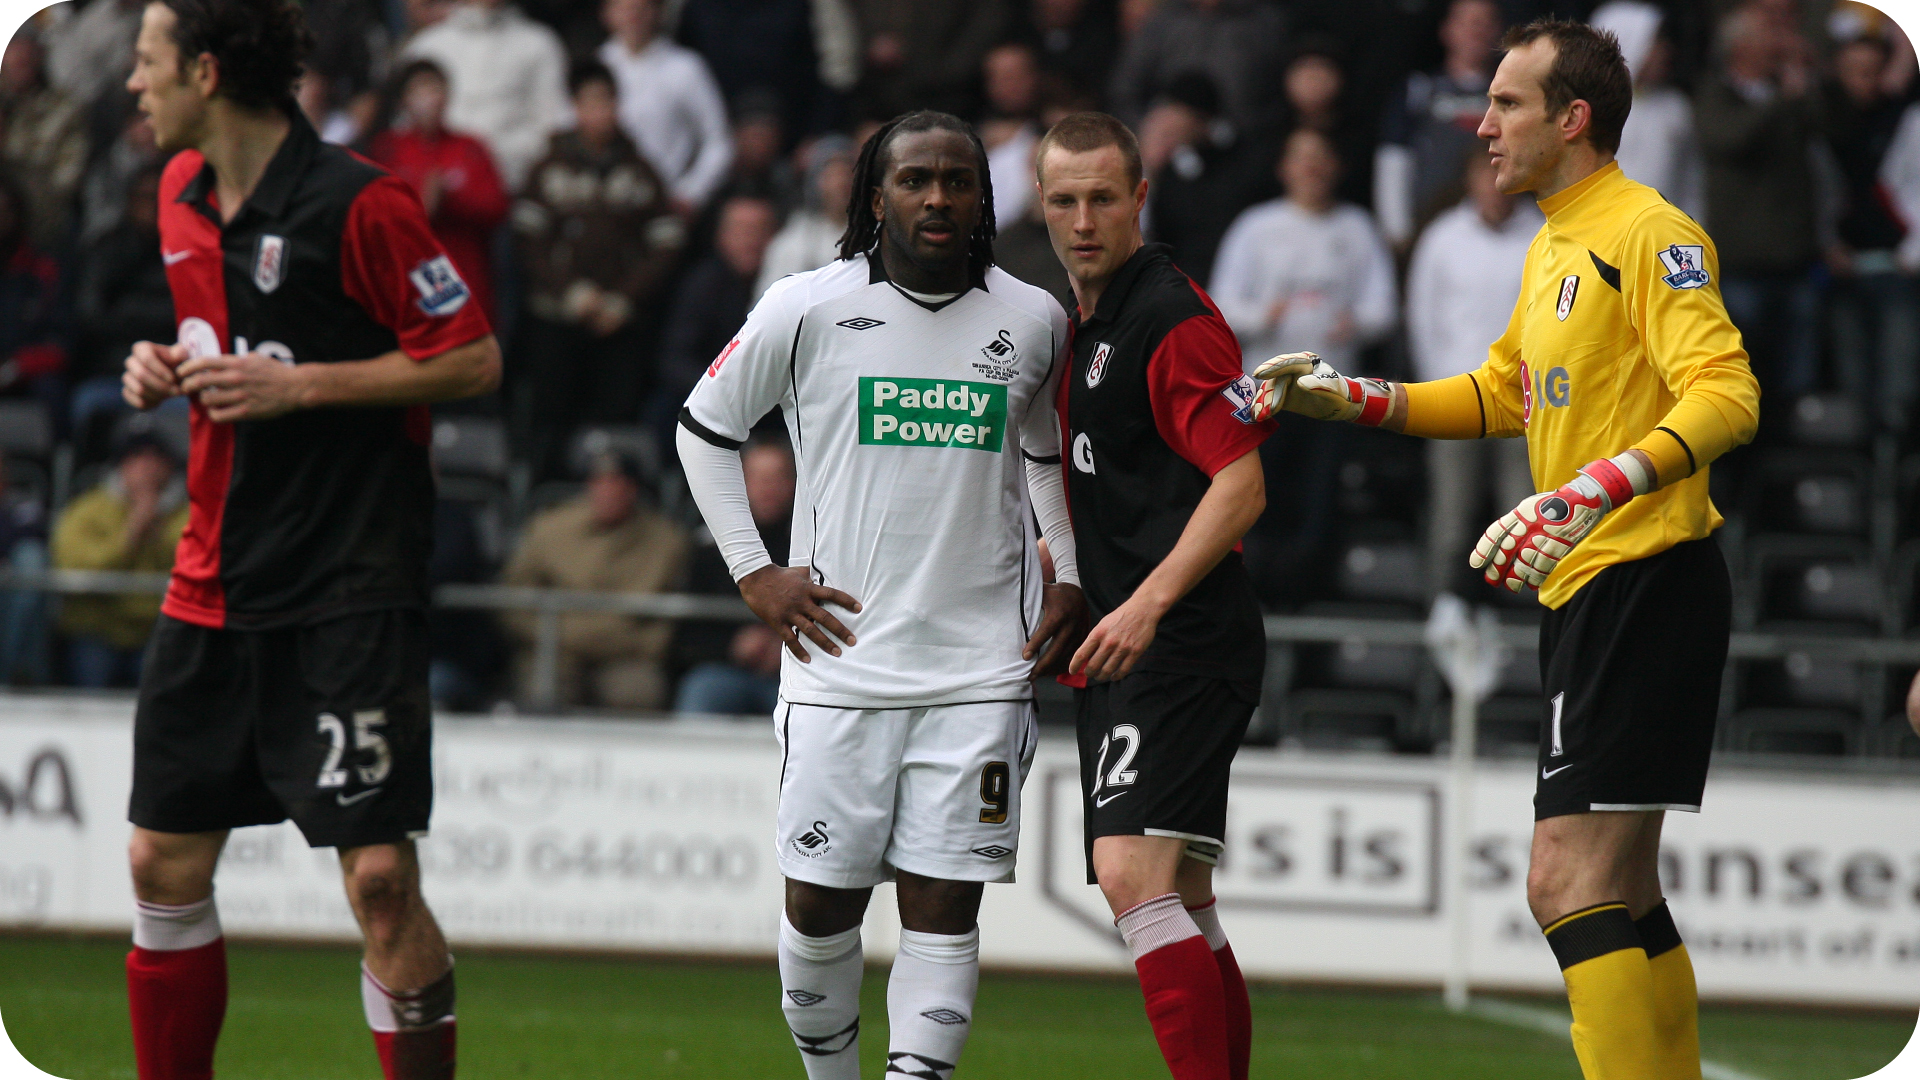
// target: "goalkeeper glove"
[[1522, 548], [1305, 384]]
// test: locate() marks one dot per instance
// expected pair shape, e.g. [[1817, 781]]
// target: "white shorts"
[[933, 791]]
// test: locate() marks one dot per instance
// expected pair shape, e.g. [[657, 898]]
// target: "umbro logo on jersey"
[[814, 842], [993, 851], [1569, 288], [1097, 367], [860, 322], [804, 998], [269, 262]]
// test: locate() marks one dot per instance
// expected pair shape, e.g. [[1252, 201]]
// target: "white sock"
[[1155, 924], [930, 1002], [820, 993], [172, 927], [1208, 920]]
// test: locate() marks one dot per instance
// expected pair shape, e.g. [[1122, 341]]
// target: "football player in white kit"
[[917, 383]]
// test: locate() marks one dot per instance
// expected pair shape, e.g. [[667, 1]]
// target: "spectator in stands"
[[35, 323], [597, 238], [109, 180], [1900, 178], [43, 140], [122, 297], [1875, 307], [452, 172], [670, 105], [1461, 290], [1659, 147], [1758, 118], [1204, 170], [91, 53], [1306, 273], [1077, 41], [606, 540], [131, 520], [926, 54], [1315, 86], [1238, 44], [760, 166], [737, 666], [1011, 128], [23, 612], [710, 305], [506, 77], [811, 237], [762, 49], [1429, 128]]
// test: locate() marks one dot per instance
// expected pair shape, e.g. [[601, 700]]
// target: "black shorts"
[[1631, 671], [1156, 750], [329, 724]]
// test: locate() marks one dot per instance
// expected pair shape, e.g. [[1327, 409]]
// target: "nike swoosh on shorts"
[[1545, 775], [1102, 802], [348, 800]]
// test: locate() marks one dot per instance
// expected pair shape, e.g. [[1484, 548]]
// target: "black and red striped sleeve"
[[392, 265], [1202, 400]]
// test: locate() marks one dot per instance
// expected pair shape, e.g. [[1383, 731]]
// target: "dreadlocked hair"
[[869, 173]]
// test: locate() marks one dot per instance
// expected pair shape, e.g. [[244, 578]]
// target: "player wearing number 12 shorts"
[[287, 675], [917, 384], [1164, 473]]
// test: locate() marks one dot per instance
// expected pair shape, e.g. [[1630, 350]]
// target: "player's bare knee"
[[382, 885], [932, 906], [818, 911], [166, 870]]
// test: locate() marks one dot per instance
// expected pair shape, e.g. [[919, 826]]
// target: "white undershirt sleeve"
[[1048, 490], [719, 487]]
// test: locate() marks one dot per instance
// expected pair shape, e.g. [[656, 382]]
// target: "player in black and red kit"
[[1163, 478], [287, 676]]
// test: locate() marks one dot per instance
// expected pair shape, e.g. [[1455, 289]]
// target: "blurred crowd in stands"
[[619, 180]]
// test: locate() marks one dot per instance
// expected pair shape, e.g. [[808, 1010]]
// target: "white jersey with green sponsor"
[[909, 423]]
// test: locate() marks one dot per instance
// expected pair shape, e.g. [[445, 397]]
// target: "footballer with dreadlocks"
[[917, 382]]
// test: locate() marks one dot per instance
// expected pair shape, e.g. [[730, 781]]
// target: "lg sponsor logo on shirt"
[[1554, 388]]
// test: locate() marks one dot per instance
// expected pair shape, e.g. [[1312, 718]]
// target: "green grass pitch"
[[295, 1015]]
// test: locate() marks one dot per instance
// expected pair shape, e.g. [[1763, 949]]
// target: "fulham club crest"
[[1097, 367], [1569, 288], [269, 262]]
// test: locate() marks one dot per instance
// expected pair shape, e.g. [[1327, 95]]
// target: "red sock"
[[177, 999], [416, 1055], [1239, 1015], [1187, 1006], [413, 1030]]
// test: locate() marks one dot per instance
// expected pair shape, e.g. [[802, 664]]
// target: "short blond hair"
[[1083, 132]]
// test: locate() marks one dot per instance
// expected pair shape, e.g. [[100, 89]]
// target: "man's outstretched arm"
[[253, 386]]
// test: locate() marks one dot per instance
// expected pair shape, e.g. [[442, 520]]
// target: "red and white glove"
[[1305, 384], [1524, 547]]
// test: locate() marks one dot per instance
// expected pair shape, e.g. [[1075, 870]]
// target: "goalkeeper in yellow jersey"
[[1622, 371]]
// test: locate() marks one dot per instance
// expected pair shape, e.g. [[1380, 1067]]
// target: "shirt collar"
[[877, 273], [276, 184], [1115, 294], [1566, 206]]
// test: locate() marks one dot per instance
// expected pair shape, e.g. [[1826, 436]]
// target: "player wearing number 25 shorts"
[[287, 676]]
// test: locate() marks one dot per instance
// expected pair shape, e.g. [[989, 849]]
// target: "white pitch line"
[[1557, 1023]]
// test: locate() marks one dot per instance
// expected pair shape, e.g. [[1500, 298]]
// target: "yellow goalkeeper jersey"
[[1619, 339]]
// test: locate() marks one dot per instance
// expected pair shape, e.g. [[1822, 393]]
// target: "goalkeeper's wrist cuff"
[[1620, 478], [1375, 399]]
